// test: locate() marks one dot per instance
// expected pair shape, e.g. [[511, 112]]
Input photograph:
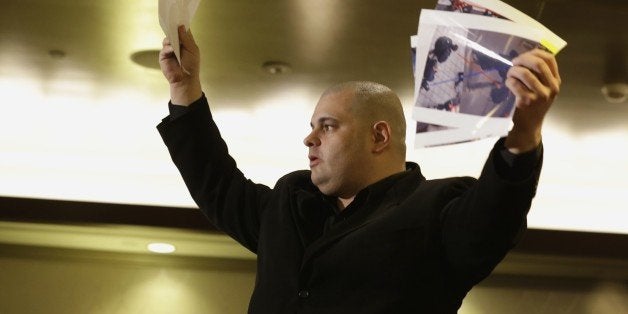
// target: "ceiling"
[[79, 115]]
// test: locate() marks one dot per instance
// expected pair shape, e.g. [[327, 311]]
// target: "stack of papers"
[[461, 54]]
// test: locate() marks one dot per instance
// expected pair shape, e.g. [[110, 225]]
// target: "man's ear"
[[381, 136]]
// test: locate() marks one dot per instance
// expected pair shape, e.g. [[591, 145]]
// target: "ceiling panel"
[[79, 114]]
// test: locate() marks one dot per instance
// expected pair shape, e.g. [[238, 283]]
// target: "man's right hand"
[[184, 78]]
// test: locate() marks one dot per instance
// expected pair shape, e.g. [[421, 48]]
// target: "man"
[[363, 231], [441, 52]]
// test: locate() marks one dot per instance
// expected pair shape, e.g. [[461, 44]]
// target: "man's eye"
[[327, 127]]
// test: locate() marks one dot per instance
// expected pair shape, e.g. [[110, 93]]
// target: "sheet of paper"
[[173, 13], [460, 112], [550, 40], [460, 70]]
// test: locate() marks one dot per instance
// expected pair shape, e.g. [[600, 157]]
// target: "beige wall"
[[53, 284], [547, 295], [69, 281]]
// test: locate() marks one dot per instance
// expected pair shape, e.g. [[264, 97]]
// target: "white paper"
[[173, 13], [459, 100], [443, 117], [549, 39]]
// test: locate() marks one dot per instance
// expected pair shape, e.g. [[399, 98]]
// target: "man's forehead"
[[339, 94], [335, 102], [330, 110]]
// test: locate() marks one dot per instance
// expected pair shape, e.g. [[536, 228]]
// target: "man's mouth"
[[313, 160]]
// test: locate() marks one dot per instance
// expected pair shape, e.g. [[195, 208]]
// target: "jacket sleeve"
[[486, 217], [228, 199]]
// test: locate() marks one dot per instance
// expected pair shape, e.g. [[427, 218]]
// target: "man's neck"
[[343, 203]]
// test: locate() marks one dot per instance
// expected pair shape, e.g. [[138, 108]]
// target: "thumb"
[[185, 37]]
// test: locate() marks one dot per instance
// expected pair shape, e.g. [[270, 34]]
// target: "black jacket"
[[417, 246]]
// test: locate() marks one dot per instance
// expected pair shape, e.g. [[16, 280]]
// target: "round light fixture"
[[146, 58], [161, 248], [276, 67], [56, 53], [615, 92]]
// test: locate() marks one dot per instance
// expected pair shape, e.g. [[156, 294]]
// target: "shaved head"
[[355, 126], [374, 102]]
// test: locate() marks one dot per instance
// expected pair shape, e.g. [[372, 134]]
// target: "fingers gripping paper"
[[173, 13]]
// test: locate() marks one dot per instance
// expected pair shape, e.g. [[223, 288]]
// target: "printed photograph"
[[460, 75], [462, 78]]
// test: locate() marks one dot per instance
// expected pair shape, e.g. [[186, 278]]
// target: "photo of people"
[[460, 76]]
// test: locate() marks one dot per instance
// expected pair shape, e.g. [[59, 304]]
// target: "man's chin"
[[318, 182]]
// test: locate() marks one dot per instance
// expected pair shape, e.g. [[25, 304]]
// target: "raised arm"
[[222, 192], [489, 215]]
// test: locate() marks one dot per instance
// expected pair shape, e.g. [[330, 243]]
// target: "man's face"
[[338, 146]]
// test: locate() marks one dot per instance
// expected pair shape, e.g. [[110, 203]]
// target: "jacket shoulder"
[[452, 181], [298, 178], [450, 187]]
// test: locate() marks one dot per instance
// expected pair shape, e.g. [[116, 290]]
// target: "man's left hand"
[[535, 82]]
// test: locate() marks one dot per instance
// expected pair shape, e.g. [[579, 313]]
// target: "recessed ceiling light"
[[161, 248], [56, 53], [615, 92], [276, 67], [146, 58]]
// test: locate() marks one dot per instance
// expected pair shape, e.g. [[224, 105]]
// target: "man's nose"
[[311, 140]]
